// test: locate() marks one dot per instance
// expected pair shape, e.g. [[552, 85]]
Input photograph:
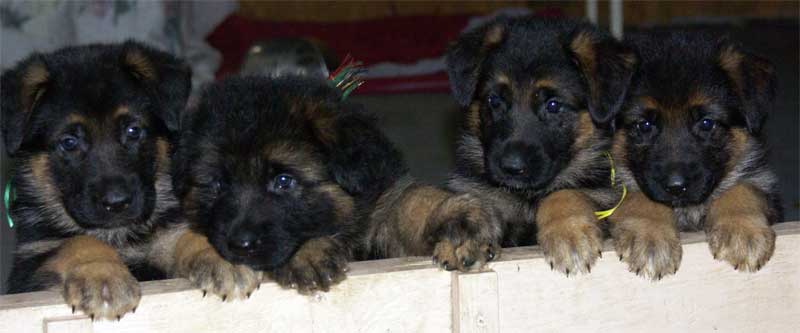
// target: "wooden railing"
[[517, 293]]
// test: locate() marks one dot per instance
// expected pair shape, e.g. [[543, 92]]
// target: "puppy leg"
[[737, 228], [319, 264], [646, 237], [95, 279], [196, 260], [568, 231], [464, 232]]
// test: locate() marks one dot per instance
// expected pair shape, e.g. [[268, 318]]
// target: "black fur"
[[79, 169], [227, 183]]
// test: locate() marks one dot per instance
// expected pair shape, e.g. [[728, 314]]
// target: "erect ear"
[[465, 57], [22, 88], [165, 77], [754, 80], [359, 157], [607, 67]]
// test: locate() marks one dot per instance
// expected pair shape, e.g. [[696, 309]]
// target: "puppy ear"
[[754, 81], [607, 67], [359, 157], [167, 78], [22, 88], [465, 56]]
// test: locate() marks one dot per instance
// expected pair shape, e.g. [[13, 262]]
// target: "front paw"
[[650, 248], [210, 272], [746, 242], [102, 289], [571, 245], [316, 266], [464, 234]]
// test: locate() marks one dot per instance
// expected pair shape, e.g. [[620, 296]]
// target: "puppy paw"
[[318, 264], [652, 249], [102, 289], [571, 245], [744, 241], [465, 237], [211, 273]]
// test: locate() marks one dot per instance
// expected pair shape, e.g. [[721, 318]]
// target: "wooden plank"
[[475, 302], [68, 325], [705, 295], [519, 294]]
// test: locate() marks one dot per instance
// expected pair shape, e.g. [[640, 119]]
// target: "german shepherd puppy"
[[285, 177], [539, 96], [691, 152], [90, 128]]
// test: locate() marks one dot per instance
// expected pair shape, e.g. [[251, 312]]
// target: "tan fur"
[[300, 157], [584, 131], [141, 65], [317, 265], [33, 79], [120, 111], [568, 231], [494, 36], [737, 146], [44, 189], [737, 228], [730, 60], [646, 237], [473, 118], [197, 261], [343, 203], [96, 279]]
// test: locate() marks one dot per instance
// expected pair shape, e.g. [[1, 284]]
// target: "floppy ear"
[[167, 78], [607, 66], [755, 82], [465, 56], [22, 88], [359, 156]]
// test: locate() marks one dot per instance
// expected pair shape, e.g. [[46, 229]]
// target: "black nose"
[[116, 200], [513, 164], [676, 184], [243, 242]]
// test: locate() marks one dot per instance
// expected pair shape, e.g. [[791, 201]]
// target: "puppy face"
[[689, 118], [267, 164], [534, 91], [90, 125]]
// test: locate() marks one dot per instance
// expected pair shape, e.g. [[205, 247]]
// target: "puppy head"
[[266, 164], [694, 106], [535, 92], [90, 125]]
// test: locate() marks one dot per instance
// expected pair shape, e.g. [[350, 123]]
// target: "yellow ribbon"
[[606, 213]]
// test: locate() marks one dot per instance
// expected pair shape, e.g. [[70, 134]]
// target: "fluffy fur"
[[539, 96], [690, 149]]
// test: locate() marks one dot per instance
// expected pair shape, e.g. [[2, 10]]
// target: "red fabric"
[[402, 39]]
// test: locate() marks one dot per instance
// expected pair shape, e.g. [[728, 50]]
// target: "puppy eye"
[[216, 186], [495, 101], [645, 126], [553, 106], [68, 143], [707, 124], [133, 132], [283, 182]]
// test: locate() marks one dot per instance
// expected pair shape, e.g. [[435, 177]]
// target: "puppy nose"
[[116, 200], [676, 184], [243, 241], [513, 164]]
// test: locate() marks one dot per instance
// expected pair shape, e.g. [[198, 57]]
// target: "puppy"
[[539, 96], [90, 128], [286, 177], [691, 152]]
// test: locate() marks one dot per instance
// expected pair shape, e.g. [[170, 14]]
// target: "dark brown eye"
[[68, 143], [283, 182], [495, 102], [645, 126], [553, 106], [707, 124], [133, 132]]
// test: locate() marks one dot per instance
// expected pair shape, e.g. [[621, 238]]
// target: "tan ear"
[[607, 66], [466, 54], [166, 77], [22, 89], [754, 81]]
